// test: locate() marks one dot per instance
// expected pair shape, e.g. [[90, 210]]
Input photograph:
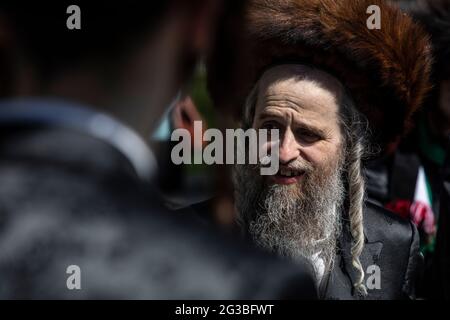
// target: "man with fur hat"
[[313, 70]]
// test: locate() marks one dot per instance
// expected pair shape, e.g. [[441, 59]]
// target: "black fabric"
[[69, 199], [392, 178], [377, 180], [439, 287], [392, 244], [404, 173]]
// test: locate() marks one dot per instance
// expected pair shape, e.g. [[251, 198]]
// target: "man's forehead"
[[293, 78]]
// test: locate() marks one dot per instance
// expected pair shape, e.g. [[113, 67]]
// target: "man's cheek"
[[321, 160]]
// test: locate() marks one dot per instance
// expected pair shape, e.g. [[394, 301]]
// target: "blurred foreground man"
[[409, 179], [79, 217], [315, 71], [434, 143]]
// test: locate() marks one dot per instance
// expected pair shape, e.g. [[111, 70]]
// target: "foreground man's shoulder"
[[381, 223]]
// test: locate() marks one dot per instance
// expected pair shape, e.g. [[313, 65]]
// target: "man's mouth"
[[287, 176]]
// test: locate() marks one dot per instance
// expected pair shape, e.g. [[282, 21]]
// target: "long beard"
[[292, 220]]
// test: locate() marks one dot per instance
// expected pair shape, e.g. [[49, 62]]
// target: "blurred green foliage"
[[197, 89]]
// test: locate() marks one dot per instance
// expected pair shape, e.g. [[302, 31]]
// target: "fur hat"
[[385, 70]]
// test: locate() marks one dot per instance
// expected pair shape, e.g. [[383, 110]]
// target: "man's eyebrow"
[[272, 115], [264, 115], [310, 128]]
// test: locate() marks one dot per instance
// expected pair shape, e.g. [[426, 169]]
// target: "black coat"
[[439, 287], [392, 244], [69, 198]]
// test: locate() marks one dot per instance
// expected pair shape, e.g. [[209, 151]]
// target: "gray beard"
[[292, 222]]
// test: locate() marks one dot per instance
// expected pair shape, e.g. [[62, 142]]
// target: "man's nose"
[[289, 150]]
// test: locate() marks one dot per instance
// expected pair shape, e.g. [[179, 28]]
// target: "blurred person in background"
[[195, 182], [408, 180], [438, 276], [76, 174], [332, 86]]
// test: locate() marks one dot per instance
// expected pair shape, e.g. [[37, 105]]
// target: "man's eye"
[[308, 136], [270, 125]]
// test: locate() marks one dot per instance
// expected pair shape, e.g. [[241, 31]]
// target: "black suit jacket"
[[392, 245], [70, 198]]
